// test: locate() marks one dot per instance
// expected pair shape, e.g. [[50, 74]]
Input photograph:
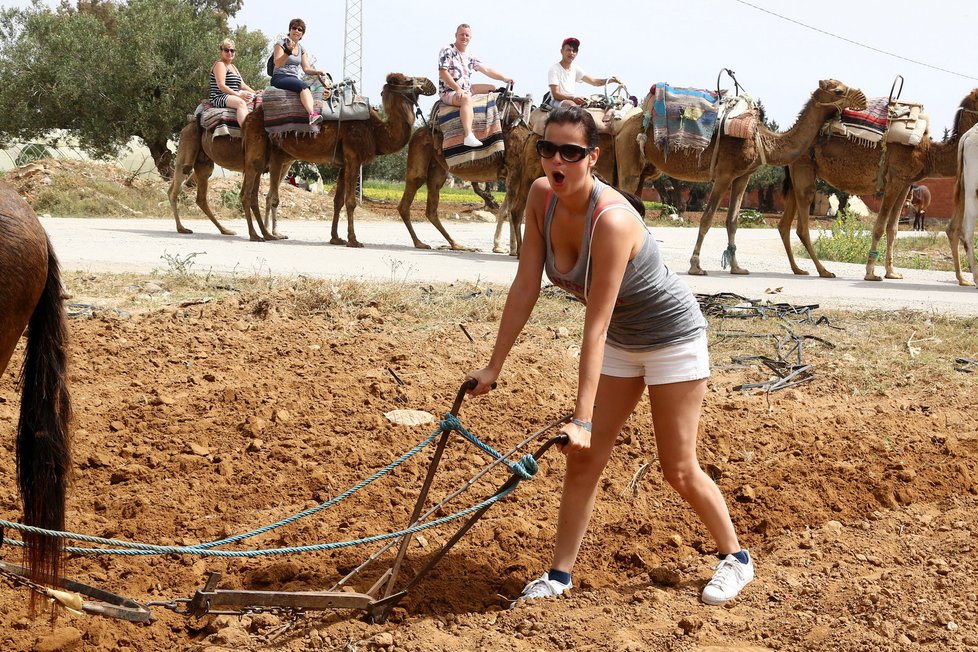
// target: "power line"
[[856, 43]]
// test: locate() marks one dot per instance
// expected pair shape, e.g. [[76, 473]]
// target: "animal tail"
[[786, 184], [43, 439]]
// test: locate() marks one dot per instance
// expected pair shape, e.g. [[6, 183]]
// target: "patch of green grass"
[[391, 191]]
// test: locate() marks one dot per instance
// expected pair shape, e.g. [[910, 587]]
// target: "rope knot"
[[526, 468], [727, 256], [450, 422]]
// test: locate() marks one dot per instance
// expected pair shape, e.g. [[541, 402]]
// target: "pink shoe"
[[315, 118]]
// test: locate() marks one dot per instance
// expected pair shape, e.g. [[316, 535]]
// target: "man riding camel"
[[564, 75]]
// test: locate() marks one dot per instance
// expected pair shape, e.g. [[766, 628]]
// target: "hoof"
[[966, 283], [696, 271], [740, 271], [356, 244], [228, 232], [826, 274], [500, 250], [279, 236], [337, 241], [799, 272], [421, 245], [183, 229], [894, 275], [872, 277]]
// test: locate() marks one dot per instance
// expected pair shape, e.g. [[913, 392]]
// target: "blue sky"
[[646, 41]]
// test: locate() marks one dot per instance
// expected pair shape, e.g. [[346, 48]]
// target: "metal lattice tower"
[[353, 41]]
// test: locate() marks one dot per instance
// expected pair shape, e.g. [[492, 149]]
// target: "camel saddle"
[[486, 126], [284, 113], [738, 116], [608, 121], [884, 119], [212, 117]]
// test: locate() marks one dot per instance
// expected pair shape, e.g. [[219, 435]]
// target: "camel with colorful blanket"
[[282, 135], [436, 150], [863, 166], [725, 158]]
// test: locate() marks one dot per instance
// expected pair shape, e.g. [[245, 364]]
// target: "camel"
[[197, 152], [855, 168], [736, 159], [918, 200], [346, 145], [965, 205], [426, 165]]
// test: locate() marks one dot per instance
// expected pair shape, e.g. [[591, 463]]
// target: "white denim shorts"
[[676, 363]]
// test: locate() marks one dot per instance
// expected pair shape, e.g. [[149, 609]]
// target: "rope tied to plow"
[[524, 469]]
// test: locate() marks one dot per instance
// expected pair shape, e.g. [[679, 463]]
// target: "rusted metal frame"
[[378, 613], [434, 508], [966, 364]]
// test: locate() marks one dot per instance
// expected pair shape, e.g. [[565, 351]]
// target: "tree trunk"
[[162, 158]]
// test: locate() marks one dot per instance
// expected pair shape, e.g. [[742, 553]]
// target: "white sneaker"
[[472, 141], [221, 130], [730, 578], [542, 587]]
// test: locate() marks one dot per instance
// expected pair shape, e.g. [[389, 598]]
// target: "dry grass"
[[875, 353]]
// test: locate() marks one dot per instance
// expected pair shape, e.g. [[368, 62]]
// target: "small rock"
[[197, 449], [745, 494], [117, 426], [281, 416], [383, 639], [255, 445], [64, 638], [690, 625]]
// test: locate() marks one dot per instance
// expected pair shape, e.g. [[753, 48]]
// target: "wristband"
[[583, 424]]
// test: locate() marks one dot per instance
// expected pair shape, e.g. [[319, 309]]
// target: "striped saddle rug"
[[486, 126], [284, 114], [212, 117], [683, 118], [864, 127]]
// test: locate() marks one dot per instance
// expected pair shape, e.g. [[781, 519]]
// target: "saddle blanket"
[[213, 117], [683, 118], [739, 116], [864, 127], [608, 121], [284, 113], [486, 126]]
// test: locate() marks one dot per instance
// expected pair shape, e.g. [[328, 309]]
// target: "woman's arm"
[[524, 291], [306, 68], [281, 55]]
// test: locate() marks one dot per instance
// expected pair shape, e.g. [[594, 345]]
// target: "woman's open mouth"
[[558, 177]]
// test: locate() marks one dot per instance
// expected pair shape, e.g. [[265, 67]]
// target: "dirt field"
[[856, 492]]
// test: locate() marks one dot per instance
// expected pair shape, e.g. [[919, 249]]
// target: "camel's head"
[[835, 93], [410, 86]]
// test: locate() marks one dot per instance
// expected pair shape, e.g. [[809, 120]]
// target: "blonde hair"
[[226, 43]]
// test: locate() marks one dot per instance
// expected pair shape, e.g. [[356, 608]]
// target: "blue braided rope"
[[524, 469], [197, 550], [727, 256], [238, 537]]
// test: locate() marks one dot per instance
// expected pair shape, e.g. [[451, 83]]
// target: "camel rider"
[[454, 86], [564, 75], [289, 58]]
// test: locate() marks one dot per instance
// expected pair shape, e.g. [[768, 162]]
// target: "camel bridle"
[[412, 91]]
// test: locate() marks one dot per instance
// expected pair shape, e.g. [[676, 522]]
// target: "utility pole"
[[352, 59]]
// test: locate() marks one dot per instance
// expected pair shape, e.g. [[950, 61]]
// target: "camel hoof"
[[696, 271], [228, 232], [894, 275], [872, 277], [183, 229], [799, 272], [355, 244], [739, 271], [337, 241], [966, 283], [826, 274], [421, 245], [500, 250], [279, 236]]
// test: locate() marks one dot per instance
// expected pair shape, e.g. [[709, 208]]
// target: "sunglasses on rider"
[[230, 50], [569, 152]]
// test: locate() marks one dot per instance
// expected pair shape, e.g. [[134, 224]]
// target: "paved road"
[[145, 245]]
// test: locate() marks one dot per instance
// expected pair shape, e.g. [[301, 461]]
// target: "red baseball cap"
[[573, 42]]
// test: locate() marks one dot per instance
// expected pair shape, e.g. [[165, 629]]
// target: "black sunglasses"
[[569, 152], [231, 50]]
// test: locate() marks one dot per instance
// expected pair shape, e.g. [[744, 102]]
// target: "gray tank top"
[[654, 307], [293, 64]]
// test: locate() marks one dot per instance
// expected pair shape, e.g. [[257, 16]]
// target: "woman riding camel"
[[643, 333], [227, 87], [289, 58]]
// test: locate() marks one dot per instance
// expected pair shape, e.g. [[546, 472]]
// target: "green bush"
[[848, 241], [749, 217]]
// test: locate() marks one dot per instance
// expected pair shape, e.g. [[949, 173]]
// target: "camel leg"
[[338, 196], [278, 167], [784, 230], [969, 220], [202, 172], [411, 185], [892, 226], [803, 190], [174, 194], [486, 195], [349, 186], [889, 212], [187, 149], [719, 186], [737, 189], [437, 176]]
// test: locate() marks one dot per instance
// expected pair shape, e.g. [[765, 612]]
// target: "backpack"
[[270, 66]]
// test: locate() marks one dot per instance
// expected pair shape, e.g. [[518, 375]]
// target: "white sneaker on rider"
[[472, 141], [221, 130], [730, 578], [542, 587]]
